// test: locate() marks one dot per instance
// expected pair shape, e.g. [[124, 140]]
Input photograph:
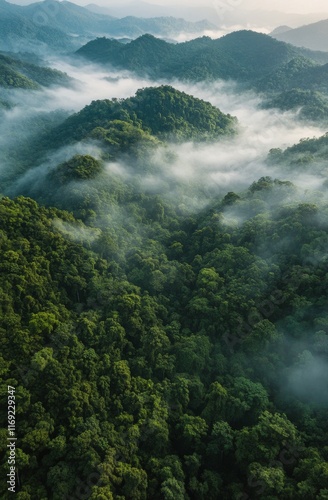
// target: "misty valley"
[[163, 258]]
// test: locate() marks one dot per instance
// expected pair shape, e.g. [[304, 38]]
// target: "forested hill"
[[64, 26], [163, 112], [308, 153], [20, 33], [288, 77], [298, 73], [312, 105], [182, 357], [162, 336], [15, 73], [242, 56]]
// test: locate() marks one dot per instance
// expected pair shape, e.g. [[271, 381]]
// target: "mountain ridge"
[[313, 36], [63, 25], [152, 114], [242, 55], [15, 73]]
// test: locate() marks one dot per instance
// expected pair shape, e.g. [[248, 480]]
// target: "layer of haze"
[[195, 174], [229, 164], [297, 6], [250, 14]]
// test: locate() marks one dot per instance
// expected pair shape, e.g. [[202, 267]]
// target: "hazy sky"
[[298, 6], [295, 6]]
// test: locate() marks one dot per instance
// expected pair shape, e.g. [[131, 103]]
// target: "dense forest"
[[186, 361], [15, 73], [243, 56], [165, 333], [289, 77], [163, 112]]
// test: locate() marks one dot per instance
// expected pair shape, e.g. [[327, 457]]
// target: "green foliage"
[[135, 124], [313, 105], [291, 77], [30, 25], [16, 73], [129, 383], [12, 79], [77, 168], [156, 352], [307, 152], [172, 114], [244, 56]]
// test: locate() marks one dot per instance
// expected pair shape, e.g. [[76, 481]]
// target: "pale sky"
[[295, 6]]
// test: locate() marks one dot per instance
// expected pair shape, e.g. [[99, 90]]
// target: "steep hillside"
[[312, 105], [297, 73], [9, 78], [16, 73], [18, 32]]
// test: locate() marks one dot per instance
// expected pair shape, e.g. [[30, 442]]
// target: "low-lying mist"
[[216, 168], [189, 176]]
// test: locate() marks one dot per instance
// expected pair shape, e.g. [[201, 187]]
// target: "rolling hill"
[[297, 73], [288, 77], [131, 26], [19, 33], [308, 153], [279, 30], [63, 26], [67, 16], [243, 56], [313, 105], [154, 113], [131, 127]]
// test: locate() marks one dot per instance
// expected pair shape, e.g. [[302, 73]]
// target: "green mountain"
[[288, 77], [72, 18], [131, 128], [9, 78], [312, 105], [67, 17], [243, 56], [308, 154], [15, 73], [158, 342], [297, 73], [62, 26], [161, 112], [19, 32]]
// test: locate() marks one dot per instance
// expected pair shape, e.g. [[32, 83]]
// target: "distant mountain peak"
[[280, 29], [243, 56], [312, 36]]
